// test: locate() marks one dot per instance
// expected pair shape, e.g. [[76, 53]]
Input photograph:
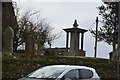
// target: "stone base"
[[63, 52], [77, 53]]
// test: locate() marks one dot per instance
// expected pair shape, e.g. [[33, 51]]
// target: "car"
[[63, 72]]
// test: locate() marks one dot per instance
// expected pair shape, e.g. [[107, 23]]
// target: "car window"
[[47, 72], [85, 74], [72, 74]]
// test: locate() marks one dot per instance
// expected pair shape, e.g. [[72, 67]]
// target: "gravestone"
[[40, 43], [29, 44], [8, 36]]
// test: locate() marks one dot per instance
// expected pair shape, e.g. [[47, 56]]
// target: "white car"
[[63, 72]]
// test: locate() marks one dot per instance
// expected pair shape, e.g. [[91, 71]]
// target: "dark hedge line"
[[19, 65]]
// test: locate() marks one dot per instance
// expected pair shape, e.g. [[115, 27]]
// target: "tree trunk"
[[114, 47], [15, 44]]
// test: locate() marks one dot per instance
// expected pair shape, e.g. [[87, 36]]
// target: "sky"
[[61, 14]]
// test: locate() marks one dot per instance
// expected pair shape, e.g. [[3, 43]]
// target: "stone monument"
[[74, 40], [29, 44], [8, 36], [40, 44]]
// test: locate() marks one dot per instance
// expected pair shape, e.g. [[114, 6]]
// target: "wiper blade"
[[39, 78], [32, 77]]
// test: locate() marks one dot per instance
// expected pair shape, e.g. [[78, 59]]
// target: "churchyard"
[[17, 63]]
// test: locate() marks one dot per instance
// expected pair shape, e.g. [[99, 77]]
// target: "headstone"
[[29, 45], [8, 36], [40, 43]]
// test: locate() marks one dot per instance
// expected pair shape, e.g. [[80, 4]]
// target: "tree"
[[51, 39], [30, 23], [108, 32]]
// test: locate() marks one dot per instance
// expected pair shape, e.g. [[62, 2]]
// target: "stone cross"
[[8, 36]]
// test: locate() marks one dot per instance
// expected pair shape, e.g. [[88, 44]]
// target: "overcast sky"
[[62, 15]]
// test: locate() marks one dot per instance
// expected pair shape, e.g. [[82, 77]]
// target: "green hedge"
[[20, 65]]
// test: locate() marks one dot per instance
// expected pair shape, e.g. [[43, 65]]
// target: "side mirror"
[[67, 79]]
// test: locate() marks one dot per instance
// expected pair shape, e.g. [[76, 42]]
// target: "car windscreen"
[[47, 72]]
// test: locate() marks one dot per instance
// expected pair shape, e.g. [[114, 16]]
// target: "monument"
[[8, 36], [40, 44], [74, 40], [29, 44]]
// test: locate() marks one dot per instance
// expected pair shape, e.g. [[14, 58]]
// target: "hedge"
[[19, 65]]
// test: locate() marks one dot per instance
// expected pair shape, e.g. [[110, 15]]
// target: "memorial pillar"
[[67, 41], [82, 37]]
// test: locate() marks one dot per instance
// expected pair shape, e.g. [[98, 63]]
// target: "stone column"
[[78, 40], [82, 37], [67, 41], [74, 41]]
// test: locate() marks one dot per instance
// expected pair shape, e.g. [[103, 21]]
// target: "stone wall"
[[62, 52]]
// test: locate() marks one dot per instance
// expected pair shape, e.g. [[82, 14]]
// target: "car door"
[[71, 75], [85, 74]]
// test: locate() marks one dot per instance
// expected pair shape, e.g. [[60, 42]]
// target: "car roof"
[[72, 67]]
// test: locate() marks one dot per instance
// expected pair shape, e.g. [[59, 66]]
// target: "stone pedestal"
[[77, 53]]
